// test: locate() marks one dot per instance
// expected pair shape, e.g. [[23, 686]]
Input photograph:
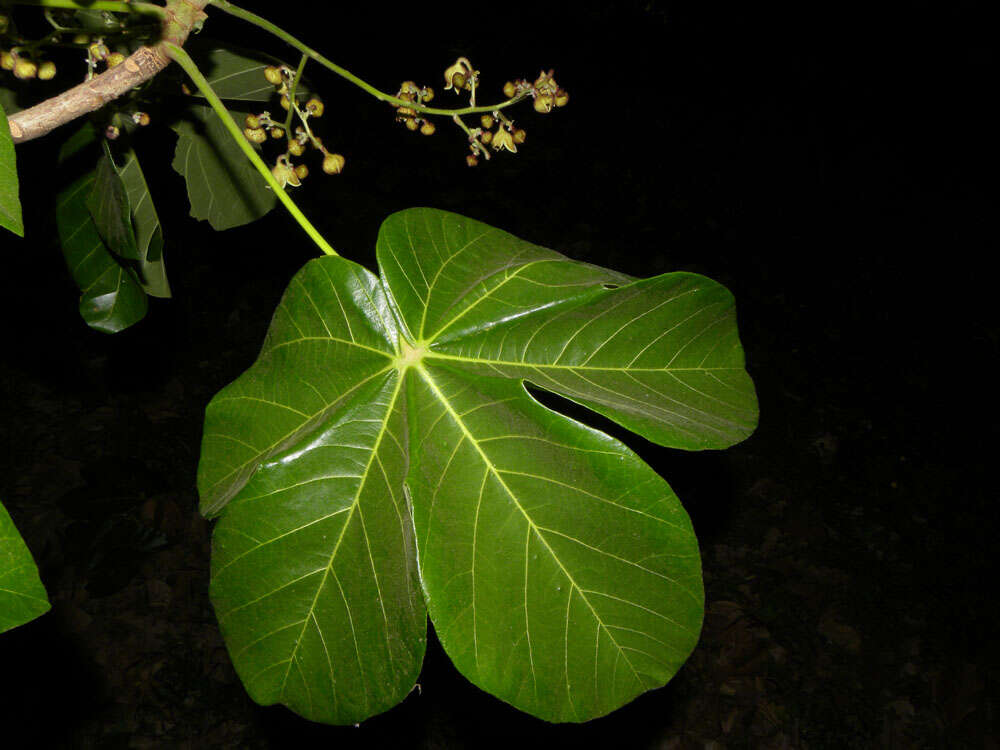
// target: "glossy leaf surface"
[[10, 203], [22, 595], [561, 573], [223, 186]]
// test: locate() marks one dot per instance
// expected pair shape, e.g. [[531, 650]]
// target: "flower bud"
[[47, 71], [509, 89], [277, 133], [301, 171], [487, 121], [99, 50], [255, 135], [25, 69], [6, 60], [111, 132], [519, 136], [314, 107], [141, 118], [427, 128], [426, 94], [285, 104], [461, 67], [115, 59], [471, 160], [296, 149], [543, 103], [252, 121], [412, 124], [486, 137], [273, 75], [562, 97], [333, 163]]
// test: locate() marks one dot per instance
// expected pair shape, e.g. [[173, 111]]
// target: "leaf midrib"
[[355, 503], [532, 525], [432, 353]]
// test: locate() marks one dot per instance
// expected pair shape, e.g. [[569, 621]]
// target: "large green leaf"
[[222, 185], [22, 595], [561, 573], [10, 203]]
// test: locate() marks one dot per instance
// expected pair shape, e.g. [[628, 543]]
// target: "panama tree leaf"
[[560, 571], [146, 226], [10, 203], [235, 74], [22, 595], [8, 101], [313, 569], [111, 297], [123, 212], [223, 186], [98, 21], [109, 207]]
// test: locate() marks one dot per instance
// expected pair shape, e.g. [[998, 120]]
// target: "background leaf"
[[22, 595], [111, 298], [235, 74], [10, 204], [146, 225], [8, 101], [222, 185], [561, 573], [109, 207]]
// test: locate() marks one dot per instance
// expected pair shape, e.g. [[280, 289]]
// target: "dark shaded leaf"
[[223, 186]]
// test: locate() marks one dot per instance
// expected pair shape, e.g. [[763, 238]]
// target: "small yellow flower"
[[503, 139], [284, 173], [543, 103], [461, 67], [333, 163]]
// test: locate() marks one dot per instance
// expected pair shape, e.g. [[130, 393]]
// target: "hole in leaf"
[[610, 286]]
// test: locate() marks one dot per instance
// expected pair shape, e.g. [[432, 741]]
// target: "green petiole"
[[182, 58]]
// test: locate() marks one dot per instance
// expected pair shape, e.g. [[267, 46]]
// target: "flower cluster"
[[496, 130], [411, 92], [23, 67], [545, 91], [259, 127]]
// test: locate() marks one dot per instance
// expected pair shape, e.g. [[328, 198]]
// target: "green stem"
[[292, 93], [182, 58], [245, 15], [114, 6]]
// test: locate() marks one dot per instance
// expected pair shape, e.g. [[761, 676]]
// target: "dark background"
[[828, 165]]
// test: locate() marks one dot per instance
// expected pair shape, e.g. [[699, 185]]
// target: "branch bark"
[[180, 16]]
